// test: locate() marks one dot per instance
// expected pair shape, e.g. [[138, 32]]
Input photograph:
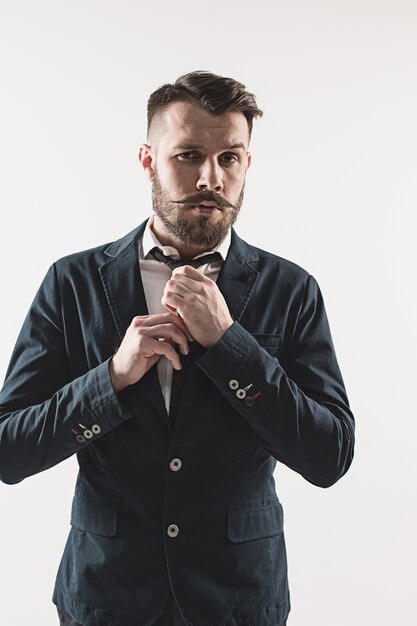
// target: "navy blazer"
[[192, 506]]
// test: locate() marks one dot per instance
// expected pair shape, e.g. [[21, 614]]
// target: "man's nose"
[[210, 177]]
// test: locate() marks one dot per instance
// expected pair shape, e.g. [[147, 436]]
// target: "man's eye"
[[228, 159], [188, 156]]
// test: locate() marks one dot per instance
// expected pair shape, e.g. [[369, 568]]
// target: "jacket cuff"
[[105, 403], [241, 369]]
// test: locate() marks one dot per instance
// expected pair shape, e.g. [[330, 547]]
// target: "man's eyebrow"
[[233, 146], [195, 146]]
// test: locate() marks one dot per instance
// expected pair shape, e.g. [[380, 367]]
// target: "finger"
[[181, 325], [153, 359], [179, 282], [168, 331], [147, 321], [181, 286], [190, 271], [172, 302], [173, 312], [164, 348], [173, 317], [151, 320]]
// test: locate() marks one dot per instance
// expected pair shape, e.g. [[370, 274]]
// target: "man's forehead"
[[190, 124]]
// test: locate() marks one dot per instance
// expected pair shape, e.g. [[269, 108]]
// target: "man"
[[179, 380]]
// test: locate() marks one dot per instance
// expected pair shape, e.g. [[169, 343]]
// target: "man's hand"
[[200, 304], [146, 340]]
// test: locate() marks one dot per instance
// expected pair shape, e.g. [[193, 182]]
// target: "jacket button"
[[80, 439], [96, 429], [241, 393], [87, 434], [175, 465], [249, 401], [173, 530], [233, 384]]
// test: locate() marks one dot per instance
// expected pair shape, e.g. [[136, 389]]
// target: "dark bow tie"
[[173, 263]]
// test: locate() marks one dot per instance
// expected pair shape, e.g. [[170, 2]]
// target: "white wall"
[[332, 188]]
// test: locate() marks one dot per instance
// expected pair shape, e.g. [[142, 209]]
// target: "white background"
[[332, 187]]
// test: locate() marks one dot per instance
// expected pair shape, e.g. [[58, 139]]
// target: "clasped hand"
[[199, 302], [203, 317]]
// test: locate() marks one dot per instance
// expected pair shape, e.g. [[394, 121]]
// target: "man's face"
[[197, 163]]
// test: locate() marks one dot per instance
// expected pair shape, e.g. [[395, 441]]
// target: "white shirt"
[[155, 275]]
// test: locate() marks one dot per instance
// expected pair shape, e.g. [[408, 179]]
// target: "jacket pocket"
[[255, 523], [94, 517], [271, 343]]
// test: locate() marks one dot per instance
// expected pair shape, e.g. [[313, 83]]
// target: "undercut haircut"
[[212, 93]]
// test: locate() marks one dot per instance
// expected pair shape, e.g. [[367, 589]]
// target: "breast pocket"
[[271, 343]]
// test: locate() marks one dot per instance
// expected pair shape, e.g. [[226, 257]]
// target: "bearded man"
[[180, 364]]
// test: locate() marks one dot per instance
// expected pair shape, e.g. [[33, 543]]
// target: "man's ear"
[[248, 160], [146, 159]]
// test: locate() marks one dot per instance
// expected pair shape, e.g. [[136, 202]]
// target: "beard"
[[194, 230]]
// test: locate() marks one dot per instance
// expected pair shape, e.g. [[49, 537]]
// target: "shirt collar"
[[149, 241]]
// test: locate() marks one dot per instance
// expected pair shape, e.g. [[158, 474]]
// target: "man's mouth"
[[206, 203], [206, 207]]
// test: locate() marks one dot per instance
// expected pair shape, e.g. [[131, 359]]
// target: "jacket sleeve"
[[301, 414], [44, 416]]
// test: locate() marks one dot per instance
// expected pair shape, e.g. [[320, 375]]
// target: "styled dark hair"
[[215, 94]]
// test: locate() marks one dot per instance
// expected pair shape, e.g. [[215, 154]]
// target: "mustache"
[[208, 196]]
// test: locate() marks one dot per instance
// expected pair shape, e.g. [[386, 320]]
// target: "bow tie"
[[173, 263]]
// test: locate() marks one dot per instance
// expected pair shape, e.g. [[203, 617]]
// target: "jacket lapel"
[[238, 276], [236, 281], [124, 291]]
